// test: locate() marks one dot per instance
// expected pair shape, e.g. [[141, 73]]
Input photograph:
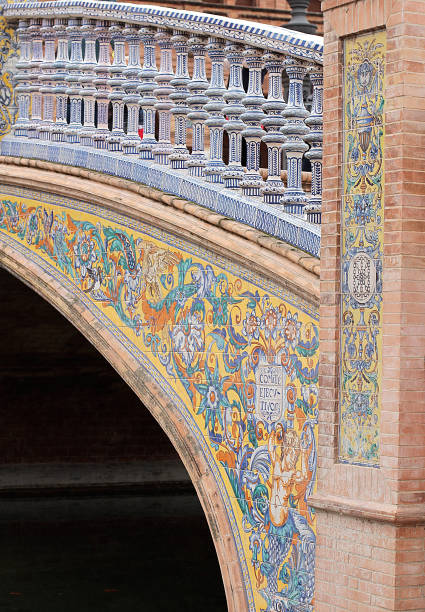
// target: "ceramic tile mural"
[[236, 353], [8, 56], [362, 248]]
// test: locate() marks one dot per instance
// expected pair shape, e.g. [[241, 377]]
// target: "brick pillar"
[[370, 498]]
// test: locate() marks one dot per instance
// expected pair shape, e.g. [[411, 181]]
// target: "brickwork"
[[372, 555]]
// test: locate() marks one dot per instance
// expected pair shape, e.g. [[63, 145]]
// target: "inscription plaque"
[[269, 393]]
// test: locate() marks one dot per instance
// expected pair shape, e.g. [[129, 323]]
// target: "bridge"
[[161, 186]]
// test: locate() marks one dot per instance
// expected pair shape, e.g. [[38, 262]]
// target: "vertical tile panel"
[[362, 248]]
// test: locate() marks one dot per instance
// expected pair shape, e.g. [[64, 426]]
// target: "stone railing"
[[88, 72]]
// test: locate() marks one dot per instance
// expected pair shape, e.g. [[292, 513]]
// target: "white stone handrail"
[[87, 68]]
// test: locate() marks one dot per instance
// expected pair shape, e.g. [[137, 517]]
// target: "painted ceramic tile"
[[236, 353], [362, 244], [8, 56]]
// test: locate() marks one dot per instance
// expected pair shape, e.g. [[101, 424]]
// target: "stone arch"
[[261, 311], [156, 401]]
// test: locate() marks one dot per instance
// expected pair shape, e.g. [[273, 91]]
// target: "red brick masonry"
[[371, 533]]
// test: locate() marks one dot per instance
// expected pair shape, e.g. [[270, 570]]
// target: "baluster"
[[164, 149], [295, 129], [35, 65], [180, 154], [73, 79], [196, 101], [253, 117], [88, 90], [274, 121], [117, 82], [132, 98], [147, 103], [60, 67], [23, 80], [313, 209], [102, 84], [215, 122], [46, 88], [234, 173]]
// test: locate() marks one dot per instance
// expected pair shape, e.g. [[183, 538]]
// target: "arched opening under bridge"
[[97, 510]]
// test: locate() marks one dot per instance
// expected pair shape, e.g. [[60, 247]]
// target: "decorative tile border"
[[251, 211], [362, 248], [173, 240]]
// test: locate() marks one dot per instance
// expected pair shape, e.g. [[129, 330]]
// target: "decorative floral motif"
[[84, 255], [291, 330], [188, 337], [362, 230], [251, 326], [244, 362]]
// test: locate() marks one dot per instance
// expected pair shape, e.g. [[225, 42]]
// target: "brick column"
[[370, 498]]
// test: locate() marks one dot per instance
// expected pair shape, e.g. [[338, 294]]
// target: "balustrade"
[[132, 98], [88, 90], [46, 79], [180, 154], [117, 83], [197, 100], [215, 166], [101, 82], [164, 104], [59, 66], [75, 34], [35, 72], [22, 80], [83, 80], [252, 182], [146, 89], [234, 94]]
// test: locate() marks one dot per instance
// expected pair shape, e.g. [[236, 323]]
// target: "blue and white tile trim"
[[280, 40], [251, 211]]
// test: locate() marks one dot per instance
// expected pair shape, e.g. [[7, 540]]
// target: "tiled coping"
[[251, 211]]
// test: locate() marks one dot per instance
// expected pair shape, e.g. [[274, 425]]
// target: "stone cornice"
[[270, 256], [389, 513]]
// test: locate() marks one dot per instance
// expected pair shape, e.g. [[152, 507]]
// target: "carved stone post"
[[215, 122], [60, 67], [35, 65], [313, 209], [101, 81], [132, 98], [164, 148], [73, 79], [46, 79], [295, 129], [180, 153], [274, 139], [253, 118], [117, 82], [196, 101], [148, 74], [22, 78], [234, 172], [88, 89], [299, 19]]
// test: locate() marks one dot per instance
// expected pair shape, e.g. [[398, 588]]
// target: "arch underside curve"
[[114, 347], [195, 336]]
